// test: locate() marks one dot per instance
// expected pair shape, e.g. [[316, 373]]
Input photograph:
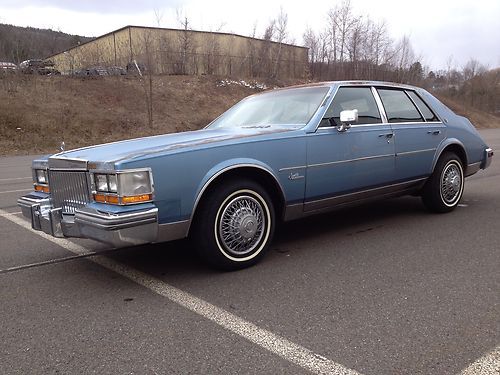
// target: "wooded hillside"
[[21, 43]]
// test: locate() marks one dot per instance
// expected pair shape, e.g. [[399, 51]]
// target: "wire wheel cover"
[[242, 225], [451, 183]]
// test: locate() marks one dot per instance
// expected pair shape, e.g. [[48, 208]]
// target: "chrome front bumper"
[[119, 230]]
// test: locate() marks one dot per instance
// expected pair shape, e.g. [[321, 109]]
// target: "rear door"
[[417, 131]]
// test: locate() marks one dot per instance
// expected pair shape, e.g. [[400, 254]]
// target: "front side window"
[[349, 98], [398, 106]]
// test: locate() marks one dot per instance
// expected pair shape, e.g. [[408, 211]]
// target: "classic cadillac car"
[[278, 155]]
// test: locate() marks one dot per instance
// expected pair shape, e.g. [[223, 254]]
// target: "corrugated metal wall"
[[171, 51]]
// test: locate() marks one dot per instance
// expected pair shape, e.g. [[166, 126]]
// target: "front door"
[[340, 165]]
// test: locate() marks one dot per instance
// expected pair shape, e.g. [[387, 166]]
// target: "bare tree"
[[185, 43], [312, 43], [281, 35], [354, 43], [158, 16], [332, 33], [147, 76], [405, 57], [265, 56], [212, 51], [345, 23]]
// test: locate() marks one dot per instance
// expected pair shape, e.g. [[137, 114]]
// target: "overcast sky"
[[438, 29]]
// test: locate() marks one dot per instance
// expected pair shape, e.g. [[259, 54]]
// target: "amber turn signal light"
[[103, 198], [42, 188], [137, 198], [114, 199]]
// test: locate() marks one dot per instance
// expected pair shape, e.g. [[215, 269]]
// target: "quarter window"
[[348, 98], [398, 106], [424, 108]]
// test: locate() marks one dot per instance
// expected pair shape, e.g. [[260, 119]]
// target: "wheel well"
[[459, 151], [258, 175]]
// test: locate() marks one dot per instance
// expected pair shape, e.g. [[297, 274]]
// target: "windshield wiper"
[[255, 126]]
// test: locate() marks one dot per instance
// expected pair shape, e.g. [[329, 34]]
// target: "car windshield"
[[292, 107]]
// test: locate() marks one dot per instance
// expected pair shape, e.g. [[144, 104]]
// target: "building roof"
[[170, 29]]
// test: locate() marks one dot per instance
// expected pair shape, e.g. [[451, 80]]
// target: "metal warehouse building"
[[174, 51]]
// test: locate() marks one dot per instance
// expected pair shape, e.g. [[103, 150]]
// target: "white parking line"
[[10, 213], [15, 178], [278, 345], [15, 191], [487, 365]]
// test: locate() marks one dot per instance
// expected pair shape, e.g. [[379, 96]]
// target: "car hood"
[[139, 147]]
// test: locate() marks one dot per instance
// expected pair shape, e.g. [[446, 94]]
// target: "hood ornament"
[[62, 146]]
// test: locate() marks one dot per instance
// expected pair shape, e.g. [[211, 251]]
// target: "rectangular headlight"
[[112, 185], [134, 183], [41, 176], [123, 187], [101, 182]]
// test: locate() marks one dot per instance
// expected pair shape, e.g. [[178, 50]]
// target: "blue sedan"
[[278, 155]]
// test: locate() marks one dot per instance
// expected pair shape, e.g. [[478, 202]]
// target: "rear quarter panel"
[[459, 130]]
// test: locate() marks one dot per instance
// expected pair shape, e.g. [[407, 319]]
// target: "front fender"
[[228, 165]]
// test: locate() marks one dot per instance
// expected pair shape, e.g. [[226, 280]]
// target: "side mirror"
[[347, 118]]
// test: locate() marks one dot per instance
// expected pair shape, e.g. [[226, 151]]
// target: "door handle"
[[387, 135], [434, 132]]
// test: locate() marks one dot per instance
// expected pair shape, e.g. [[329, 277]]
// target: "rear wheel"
[[445, 187], [234, 224]]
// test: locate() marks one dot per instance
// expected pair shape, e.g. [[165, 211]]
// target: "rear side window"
[[424, 108], [398, 106], [348, 98]]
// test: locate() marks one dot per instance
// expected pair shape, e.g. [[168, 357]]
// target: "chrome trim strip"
[[93, 189], [415, 152], [211, 179], [333, 93], [61, 163], [415, 104], [293, 211], [134, 228], [292, 168], [365, 125], [173, 231], [380, 105], [361, 195], [472, 168], [349, 160], [115, 221], [40, 164], [354, 126], [418, 123], [488, 156]]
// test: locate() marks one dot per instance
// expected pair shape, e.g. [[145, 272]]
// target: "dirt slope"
[[480, 119], [38, 113]]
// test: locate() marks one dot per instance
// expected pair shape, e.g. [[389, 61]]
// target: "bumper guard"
[[488, 156]]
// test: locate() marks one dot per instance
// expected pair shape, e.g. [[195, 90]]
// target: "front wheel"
[[445, 187], [234, 224]]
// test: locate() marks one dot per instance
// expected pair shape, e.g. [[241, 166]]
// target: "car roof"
[[352, 83]]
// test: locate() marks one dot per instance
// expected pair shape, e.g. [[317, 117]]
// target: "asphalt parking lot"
[[386, 288]]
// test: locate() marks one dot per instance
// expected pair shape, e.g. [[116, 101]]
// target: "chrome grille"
[[69, 189]]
